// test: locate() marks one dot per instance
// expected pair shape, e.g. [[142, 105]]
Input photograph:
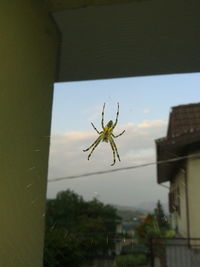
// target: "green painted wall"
[[28, 47]]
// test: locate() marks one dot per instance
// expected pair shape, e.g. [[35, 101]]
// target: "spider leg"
[[115, 136], [113, 150], [97, 140], [116, 116], [102, 120], [96, 144], [114, 145], [95, 128]]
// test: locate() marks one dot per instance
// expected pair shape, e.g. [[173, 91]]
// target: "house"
[[182, 143], [43, 42]]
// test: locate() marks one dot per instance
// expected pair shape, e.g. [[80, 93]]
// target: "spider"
[[106, 135]]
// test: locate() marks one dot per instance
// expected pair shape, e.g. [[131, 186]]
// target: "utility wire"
[[123, 168]]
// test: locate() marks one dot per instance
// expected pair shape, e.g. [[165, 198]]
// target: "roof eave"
[[172, 148]]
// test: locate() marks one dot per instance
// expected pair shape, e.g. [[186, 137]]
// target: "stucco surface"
[[28, 58], [194, 196]]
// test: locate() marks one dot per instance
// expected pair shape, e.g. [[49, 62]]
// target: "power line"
[[123, 168]]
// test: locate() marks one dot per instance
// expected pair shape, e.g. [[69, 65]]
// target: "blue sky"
[[153, 94], [145, 104]]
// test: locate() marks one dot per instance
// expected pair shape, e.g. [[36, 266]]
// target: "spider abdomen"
[[106, 134], [105, 139]]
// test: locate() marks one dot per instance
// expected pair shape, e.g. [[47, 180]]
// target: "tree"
[[78, 229], [154, 229], [61, 249], [160, 216]]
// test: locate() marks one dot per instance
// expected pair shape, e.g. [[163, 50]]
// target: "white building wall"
[[180, 202], [181, 219], [193, 174]]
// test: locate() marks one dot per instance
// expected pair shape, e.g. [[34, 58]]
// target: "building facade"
[[180, 150]]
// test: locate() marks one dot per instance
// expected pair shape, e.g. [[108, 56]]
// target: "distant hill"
[[129, 215], [144, 207], [150, 206]]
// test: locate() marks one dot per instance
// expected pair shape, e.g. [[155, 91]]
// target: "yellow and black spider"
[[106, 135]]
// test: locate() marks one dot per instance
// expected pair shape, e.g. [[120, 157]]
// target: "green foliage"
[[147, 230], [136, 248], [61, 249], [77, 230], [153, 231], [160, 216], [131, 260], [154, 226]]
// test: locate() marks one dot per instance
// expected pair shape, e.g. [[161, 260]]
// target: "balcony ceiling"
[[136, 38], [55, 5]]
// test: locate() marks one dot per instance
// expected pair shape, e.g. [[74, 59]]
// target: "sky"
[[145, 103]]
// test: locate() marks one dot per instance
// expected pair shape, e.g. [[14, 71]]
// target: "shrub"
[[131, 260]]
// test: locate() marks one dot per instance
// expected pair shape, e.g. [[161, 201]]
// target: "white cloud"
[[150, 124], [146, 111], [135, 146]]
